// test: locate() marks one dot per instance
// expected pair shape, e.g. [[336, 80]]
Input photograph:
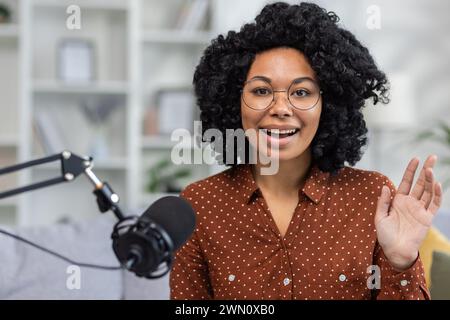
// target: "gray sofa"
[[28, 273]]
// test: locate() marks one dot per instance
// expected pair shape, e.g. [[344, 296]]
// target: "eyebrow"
[[296, 80]]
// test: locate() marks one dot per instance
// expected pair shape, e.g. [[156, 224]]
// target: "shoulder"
[[355, 192], [213, 183], [214, 196], [362, 179]]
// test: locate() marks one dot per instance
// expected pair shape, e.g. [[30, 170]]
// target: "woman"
[[315, 229]]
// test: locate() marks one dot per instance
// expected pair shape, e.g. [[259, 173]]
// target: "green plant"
[[441, 135], [163, 176], [5, 14]]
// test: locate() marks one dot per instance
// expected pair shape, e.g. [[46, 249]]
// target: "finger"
[[419, 187], [437, 200], [408, 177], [428, 192], [383, 204]]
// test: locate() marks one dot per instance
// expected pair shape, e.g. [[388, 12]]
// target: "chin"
[[287, 155]]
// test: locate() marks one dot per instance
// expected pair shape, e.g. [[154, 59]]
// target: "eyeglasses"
[[302, 94]]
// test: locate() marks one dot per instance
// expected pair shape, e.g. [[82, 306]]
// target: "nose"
[[281, 107]]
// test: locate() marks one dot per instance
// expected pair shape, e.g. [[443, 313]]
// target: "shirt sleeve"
[[189, 277], [407, 285]]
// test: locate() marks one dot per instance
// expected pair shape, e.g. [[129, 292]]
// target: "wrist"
[[401, 261]]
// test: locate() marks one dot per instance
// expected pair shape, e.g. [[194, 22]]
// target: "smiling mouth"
[[280, 134]]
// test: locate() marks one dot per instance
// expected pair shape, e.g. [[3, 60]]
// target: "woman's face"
[[281, 66]]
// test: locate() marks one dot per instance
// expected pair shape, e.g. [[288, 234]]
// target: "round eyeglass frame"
[[273, 96]]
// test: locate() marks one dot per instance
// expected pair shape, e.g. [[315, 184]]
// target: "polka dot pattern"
[[237, 251]]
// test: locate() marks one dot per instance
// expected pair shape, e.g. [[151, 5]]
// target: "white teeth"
[[278, 131]]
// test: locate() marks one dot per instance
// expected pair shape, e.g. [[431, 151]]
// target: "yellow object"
[[434, 241]]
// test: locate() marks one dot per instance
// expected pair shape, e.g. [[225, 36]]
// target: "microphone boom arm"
[[72, 166], [141, 244]]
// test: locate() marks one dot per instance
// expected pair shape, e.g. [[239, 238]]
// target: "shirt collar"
[[315, 185], [242, 176]]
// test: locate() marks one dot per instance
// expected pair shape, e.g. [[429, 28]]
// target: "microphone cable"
[[60, 256]]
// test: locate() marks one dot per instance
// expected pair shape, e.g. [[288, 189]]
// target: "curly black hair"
[[346, 72]]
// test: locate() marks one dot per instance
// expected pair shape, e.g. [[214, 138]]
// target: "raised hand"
[[403, 223]]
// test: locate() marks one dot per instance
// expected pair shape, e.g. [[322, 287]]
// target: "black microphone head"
[[175, 215]]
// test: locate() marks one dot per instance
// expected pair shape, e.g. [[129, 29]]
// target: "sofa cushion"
[[29, 273], [136, 288], [434, 240], [440, 276]]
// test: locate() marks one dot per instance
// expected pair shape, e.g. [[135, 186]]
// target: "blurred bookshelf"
[[172, 44], [143, 57]]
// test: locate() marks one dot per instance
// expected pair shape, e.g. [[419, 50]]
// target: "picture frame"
[[175, 110], [76, 61]]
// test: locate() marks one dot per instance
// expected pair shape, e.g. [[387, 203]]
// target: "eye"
[[261, 91], [300, 93]]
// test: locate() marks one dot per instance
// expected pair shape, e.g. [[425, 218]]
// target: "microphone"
[[147, 242], [141, 244]]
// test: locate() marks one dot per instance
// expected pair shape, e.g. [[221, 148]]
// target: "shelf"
[[9, 30], [84, 4], [164, 142], [112, 164], [52, 86], [176, 37], [156, 85], [8, 202], [7, 141]]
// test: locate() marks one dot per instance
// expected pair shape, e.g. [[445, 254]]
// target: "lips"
[[279, 136], [281, 133]]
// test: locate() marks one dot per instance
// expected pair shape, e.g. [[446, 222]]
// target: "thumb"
[[383, 203]]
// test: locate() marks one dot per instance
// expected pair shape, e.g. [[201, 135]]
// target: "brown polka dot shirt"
[[330, 249]]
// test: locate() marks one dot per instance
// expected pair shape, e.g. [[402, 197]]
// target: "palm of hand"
[[403, 223]]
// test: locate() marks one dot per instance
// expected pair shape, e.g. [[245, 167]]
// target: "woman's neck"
[[291, 175]]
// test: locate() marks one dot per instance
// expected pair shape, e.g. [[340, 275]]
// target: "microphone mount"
[[72, 166]]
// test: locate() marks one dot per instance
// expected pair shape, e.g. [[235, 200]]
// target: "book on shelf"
[[8, 181], [193, 15], [48, 133]]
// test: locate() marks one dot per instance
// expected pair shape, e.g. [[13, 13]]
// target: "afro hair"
[[346, 72]]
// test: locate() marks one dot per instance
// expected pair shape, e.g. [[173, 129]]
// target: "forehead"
[[281, 65]]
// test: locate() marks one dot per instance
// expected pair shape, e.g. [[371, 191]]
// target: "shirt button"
[[342, 277], [403, 283], [286, 281], [231, 277]]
